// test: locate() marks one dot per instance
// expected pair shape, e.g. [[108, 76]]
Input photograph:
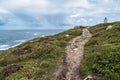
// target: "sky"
[[56, 14]]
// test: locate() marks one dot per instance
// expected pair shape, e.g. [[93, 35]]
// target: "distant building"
[[105, 20]]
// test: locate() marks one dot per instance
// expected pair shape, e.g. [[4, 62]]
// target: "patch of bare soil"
[[69, 68]]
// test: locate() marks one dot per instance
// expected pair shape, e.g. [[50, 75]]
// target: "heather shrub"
[[11, 68]]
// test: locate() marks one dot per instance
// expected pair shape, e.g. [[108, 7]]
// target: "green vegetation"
[[36, 59], [102, 53]]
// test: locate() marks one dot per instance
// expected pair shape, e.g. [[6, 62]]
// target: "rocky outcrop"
[[109, 27]]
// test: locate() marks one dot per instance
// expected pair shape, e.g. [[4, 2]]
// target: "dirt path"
[[70, 64]]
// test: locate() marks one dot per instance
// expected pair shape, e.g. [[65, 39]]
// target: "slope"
[[36, 59], [102, 53], [69, 67]]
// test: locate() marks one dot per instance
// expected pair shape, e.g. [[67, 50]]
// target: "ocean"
[[12, 38]]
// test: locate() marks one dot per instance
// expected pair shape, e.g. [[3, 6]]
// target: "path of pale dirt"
[[69, 68]]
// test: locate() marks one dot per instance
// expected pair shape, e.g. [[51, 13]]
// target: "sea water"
[[12, 38]]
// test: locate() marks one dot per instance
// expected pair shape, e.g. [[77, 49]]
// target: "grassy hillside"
[[102, 53], [36, 59]]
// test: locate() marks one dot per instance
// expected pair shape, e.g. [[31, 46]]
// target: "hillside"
[[38, 59], [102, 53]]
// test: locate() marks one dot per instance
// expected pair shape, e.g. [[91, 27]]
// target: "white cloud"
[[90, 19], [77, 14], [79, 3], [51, 12], [24, 3], [4, 11], [82, 20], [97, 12], [28, 6]]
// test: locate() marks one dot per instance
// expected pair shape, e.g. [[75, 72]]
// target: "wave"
[[4, 47], [19, 41], [35, 34], [10, 39]]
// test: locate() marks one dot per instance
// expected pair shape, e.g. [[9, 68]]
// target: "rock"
[[43, 36], [67, 35], [109, 27], [88, 77], [75, 49]]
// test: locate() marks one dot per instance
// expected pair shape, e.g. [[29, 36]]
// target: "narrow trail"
[[69, 68]]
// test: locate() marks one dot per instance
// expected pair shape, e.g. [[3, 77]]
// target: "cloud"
[[28, 6], [52, 13], [79, 3], [3, 11], [24, 3]]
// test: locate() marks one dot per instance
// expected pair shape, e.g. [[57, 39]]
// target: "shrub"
[[11, 68]]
